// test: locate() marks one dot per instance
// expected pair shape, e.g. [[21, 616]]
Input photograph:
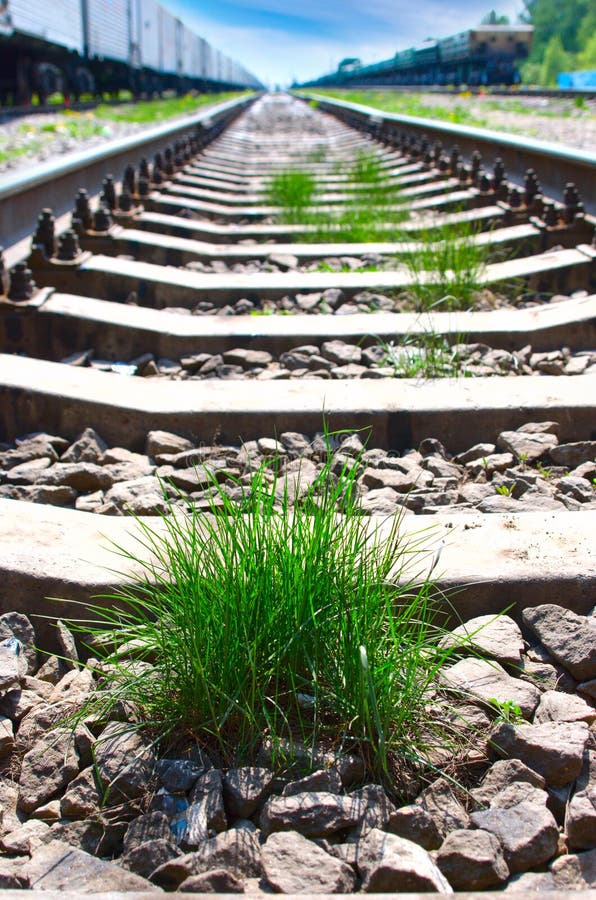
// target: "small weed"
[[508, 711], [294, 192], [545, 471], [426, 355], [447, 267], [505, 490]]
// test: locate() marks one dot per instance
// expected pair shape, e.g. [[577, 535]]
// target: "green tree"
[[493, 18], [586, 58], [555, 60], [552, 18]]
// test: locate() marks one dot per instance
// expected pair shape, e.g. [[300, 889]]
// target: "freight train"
[[480, 56], [98, 47]]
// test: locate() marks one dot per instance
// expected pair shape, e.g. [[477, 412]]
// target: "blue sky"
[[279, 41]]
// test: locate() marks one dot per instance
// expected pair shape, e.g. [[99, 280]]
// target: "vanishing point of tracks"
[[157, 323]]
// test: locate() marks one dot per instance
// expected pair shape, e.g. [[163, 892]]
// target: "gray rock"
[[340, 352], [574, 454], [416, 824], [88, 447], [40, 493], [519, 792], [238, 849], [25, 838], [81, 476], [245, 789], [141, 497], [81, 799], [316, 814], [472, 860], [526, 445], [574, 871], [377, 809], [216, 881], [59, 867], [554, 750], [439, 801], [555, 706], [580, 822], [125, 762], [206, 814], [391, 864], [6, 737], [398, 481], [151, 826], [294, 865], [16, 624], [487, 681], [143, 859], [326, 780], [159, 442], [47, 768], [178, 775], [528, 833], [568, 637], [247, 359], [496, 636], [98, 836], [503, 773], [578, 488], [27, 450], [12, 876], [169, 875], [13, 663]]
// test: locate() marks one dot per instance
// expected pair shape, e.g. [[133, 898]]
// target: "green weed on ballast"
[[425, 355], [372, 203], [447, 267], [270, 620], [294, 192]]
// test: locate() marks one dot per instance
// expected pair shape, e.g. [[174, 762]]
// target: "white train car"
[[168, 42], [108, 29], [59, 22], [186, 47], [149, 20]]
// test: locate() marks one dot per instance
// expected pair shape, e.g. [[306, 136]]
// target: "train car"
[[480, 56], [102, 46], [41, 45]]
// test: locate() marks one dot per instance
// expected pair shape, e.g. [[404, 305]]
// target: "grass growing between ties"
[[447, 267], [276, 621], [371, 207]]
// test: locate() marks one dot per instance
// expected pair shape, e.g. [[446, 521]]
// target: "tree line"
[[564, 37]]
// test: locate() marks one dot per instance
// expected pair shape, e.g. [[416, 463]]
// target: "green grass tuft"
[[276, 621]]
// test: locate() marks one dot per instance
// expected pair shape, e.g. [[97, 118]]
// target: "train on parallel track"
[[486, 55], [94, 47]]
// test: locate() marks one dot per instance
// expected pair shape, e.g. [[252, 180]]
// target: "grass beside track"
[[32, 137], [466, 108]]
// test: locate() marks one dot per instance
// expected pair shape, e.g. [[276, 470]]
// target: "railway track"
[[185, 331]]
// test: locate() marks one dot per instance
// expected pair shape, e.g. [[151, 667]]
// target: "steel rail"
[[20, 193], [555, 164]]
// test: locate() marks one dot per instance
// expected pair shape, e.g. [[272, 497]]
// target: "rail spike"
[[68, 248], [22, 285], [82, 210], [102, 219], [45, 235], [4, 281], [109, 191]]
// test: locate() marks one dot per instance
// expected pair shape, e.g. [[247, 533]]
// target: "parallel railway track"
[[181, 331], [116, 296]]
